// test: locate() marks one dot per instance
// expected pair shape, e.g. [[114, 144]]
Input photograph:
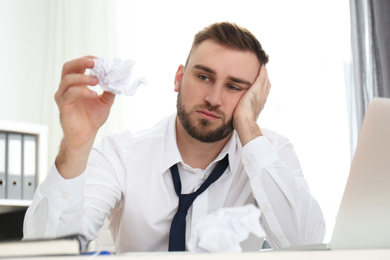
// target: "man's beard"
[[202, 132]]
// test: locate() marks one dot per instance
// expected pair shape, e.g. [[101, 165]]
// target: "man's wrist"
[[247, 130], [71, 162]]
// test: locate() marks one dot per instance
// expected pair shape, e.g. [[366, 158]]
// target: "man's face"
[[210, 88]]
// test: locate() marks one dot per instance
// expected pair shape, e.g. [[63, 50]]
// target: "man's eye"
[[204, 78], [231, 87]]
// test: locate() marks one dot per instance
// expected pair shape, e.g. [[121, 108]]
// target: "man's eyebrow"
[[234, 79], [240, 81], [207, 69]]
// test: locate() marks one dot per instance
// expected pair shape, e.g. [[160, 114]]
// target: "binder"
[[14, 166], [29, 172], [2, 164]]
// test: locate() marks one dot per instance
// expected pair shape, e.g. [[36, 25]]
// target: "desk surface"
[[377, 254]]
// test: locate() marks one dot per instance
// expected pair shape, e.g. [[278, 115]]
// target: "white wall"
[[22, 50], [37, 37]]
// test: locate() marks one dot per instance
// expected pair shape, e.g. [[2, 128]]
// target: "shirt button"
[[246, 162], [66, 196], [264, 208]]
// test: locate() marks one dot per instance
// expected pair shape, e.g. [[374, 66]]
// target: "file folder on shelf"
[[2, 164], [14, 166], [23, 162], [29, 166]]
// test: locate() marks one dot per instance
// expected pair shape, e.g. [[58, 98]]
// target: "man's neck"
[[195, 153]]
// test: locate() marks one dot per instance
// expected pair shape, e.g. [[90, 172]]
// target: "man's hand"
[[82, 113], [249, 108]]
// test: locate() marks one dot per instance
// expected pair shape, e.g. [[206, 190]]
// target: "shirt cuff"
[[261, 151], [64, 193]]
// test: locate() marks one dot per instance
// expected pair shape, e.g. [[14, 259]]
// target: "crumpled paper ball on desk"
[[225, 229]]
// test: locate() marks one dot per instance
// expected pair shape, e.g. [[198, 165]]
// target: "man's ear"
[[178, 77]]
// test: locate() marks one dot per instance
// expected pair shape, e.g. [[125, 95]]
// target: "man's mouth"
[[207, 114]]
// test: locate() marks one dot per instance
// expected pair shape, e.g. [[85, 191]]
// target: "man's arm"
[[59, 207], [290, 213], [82, 113], [250, 106]]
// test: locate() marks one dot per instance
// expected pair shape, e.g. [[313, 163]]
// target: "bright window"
[[308, 44]]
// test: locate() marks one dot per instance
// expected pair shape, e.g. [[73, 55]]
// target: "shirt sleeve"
[[54, 196], [290, 214], [79, 205]]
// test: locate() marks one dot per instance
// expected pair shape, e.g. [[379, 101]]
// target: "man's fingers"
[[73, 75], [74, 93], [265, 81], [72, 80], [107, 97], [261, 89], [262, 85], [262, 78], [78, 65]]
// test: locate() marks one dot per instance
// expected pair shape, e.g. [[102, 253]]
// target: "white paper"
[[115, 76], [225, 229]]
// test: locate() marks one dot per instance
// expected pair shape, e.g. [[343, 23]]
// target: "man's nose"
[[214, 95]]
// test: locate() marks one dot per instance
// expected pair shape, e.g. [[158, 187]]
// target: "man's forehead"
[[210, 55]]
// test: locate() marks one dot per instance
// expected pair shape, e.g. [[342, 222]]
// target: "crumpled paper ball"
[[225, 229], [115, 76]]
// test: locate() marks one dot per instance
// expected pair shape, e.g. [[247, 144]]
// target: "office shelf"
[[17, 203], [8, 205], [41, 134]]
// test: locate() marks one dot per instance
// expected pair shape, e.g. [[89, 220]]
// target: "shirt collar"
[[171, 151], [232, 149], [172, 154]]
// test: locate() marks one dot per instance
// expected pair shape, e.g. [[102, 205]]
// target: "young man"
[[131, 178]]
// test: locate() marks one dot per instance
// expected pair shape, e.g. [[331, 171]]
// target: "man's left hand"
[[249, 108]]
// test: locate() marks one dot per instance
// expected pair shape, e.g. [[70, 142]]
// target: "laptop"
[[363, 219]]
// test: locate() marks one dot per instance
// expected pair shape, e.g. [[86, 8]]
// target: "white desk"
[[377, 254]]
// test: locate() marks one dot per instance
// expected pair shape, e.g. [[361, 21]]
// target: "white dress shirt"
[[128, 179]]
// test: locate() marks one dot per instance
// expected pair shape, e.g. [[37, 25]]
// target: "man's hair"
[[232, 36]]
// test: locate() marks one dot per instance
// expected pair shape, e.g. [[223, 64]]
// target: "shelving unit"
[[41, 132], [9, 205]]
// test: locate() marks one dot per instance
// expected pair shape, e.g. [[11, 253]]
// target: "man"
[[221, 91]]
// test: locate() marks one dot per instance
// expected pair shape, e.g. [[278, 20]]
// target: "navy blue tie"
[[177, 235]]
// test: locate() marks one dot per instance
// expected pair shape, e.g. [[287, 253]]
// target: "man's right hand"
[[82, 113]]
